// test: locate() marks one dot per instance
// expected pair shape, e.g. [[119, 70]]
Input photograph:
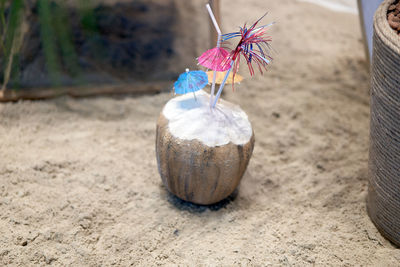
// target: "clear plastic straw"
[[218, 45]]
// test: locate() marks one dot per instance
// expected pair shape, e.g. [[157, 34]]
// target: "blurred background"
[[89, 47], [50, 43]]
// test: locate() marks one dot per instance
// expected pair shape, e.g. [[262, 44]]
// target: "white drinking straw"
[[218, 45], [221, 87]]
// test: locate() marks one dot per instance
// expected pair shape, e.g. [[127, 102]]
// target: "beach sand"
[[79, 183], [349, 6]]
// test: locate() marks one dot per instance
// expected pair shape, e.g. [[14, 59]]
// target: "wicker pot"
[[384, 160], [197, 172]]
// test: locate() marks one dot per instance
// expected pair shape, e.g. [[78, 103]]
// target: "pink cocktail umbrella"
[[216, 59]]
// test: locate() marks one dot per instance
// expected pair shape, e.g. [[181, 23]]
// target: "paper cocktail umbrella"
[[190, 82], [216, 59], [221, 75]]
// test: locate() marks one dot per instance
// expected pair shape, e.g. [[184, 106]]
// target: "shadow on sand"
[[195, 208]]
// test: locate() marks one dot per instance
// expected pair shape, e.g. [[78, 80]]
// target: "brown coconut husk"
[[196, 172]]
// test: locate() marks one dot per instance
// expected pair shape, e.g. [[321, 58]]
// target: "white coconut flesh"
[[191, 118]]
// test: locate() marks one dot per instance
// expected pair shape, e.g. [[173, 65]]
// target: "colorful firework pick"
[[253, 46]]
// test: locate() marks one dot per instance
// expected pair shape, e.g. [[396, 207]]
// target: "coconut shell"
[[196, 172]]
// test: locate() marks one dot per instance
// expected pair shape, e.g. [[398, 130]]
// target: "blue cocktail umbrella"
[[191, 81]]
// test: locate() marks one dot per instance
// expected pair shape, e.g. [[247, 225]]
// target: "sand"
[[79, 183], [349, 6]]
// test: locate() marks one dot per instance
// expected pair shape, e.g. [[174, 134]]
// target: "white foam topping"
[[193, 119]]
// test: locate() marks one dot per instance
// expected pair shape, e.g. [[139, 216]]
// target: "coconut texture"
[[196, 172]]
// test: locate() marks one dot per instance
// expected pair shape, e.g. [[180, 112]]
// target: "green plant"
[[2, 26], [11, 36], [47, 35], [64, 37], [55, 34]]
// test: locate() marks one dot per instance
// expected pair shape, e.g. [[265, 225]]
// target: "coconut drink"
[[203, 143], [202, 153]]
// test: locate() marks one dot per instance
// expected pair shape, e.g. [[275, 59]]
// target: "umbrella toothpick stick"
[[187, 83], [218, 45]]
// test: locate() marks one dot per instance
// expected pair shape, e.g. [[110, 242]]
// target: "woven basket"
[[384, 159]]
